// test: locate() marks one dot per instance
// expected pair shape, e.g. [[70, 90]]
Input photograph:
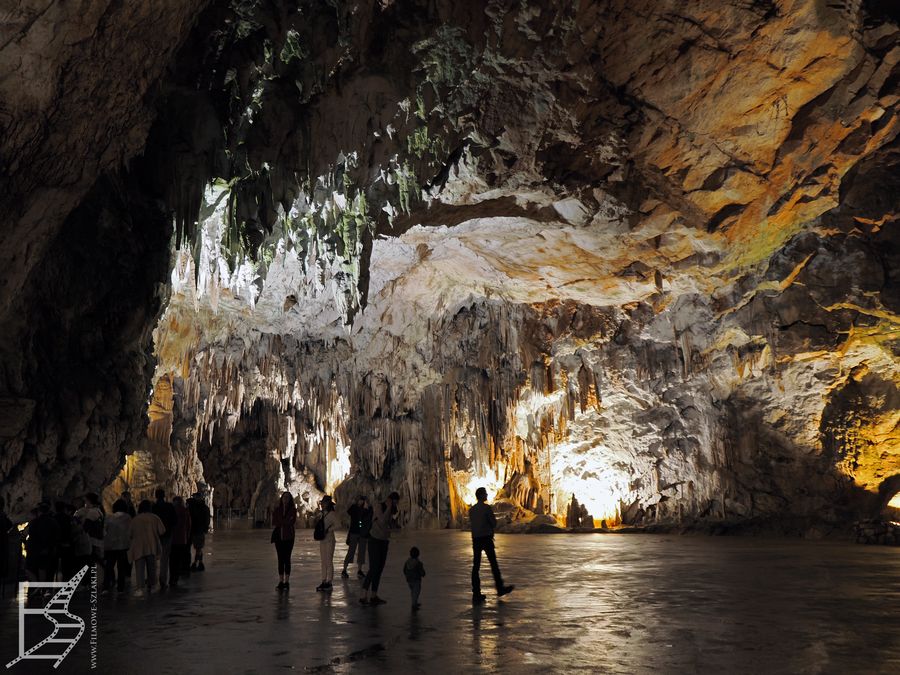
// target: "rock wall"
[[76, 349]]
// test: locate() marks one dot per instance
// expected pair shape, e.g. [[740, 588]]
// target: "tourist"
[[62, 513], [483, 522], [326, 543], [166, 513], [414, 570], [146, 529], [358, 536], [41, 546], [180, 557], [81, 544], [383, 514], [284, 519], [131, 511], [199, 527], [117, 541], [90, 517], [129, 504]]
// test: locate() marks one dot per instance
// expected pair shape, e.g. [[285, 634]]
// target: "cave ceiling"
[[642, 254]]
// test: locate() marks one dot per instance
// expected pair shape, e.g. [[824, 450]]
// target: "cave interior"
[[625, 263]]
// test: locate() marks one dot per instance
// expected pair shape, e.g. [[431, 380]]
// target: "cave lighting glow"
[[489, 480], [895, 501], [600, 487]]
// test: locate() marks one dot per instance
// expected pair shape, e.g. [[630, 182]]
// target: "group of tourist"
[[370, 533], [154, 540]]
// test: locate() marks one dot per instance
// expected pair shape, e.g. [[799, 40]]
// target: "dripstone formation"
[[620, 262]]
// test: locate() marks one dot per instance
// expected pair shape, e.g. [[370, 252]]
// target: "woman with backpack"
[[284, 518], [324, 533]]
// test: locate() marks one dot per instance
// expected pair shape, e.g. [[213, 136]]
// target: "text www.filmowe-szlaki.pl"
[[94, 614]]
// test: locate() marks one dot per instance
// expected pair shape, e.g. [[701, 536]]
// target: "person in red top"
[[180, 560], [284, 519]]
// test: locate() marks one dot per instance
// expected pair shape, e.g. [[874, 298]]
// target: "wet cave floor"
[[583, 603]]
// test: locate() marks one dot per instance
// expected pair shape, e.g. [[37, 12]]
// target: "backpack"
[[319, 530]]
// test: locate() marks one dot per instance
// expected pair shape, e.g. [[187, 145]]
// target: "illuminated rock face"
[[639, 254], [757, 397]]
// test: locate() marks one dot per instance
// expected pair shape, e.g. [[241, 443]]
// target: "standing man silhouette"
[[483, 522]]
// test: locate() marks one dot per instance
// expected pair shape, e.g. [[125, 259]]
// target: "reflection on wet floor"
[[589, 603]]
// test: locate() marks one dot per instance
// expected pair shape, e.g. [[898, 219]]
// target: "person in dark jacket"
[[200, 517], [166, 513], [383, 521], [41, 547], [484, 522], [358, 535], [284, 519], [129, 504], [180, 558], [414, 571], [62, 513]]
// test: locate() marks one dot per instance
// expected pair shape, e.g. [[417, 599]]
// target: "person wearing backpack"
[[91, 519], [324, 534]]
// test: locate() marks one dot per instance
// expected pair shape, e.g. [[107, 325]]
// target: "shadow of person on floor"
[[283, 607]]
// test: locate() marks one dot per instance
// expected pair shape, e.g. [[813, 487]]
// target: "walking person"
[[200, 518], [146, 529], [326, 543], [117, 541], [180, 557], [414, 571], [484, 522], [284, 520], [383, 514], [166, 513], [358, 536]]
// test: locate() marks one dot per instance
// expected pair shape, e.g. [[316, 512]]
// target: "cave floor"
[[592, 603]]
